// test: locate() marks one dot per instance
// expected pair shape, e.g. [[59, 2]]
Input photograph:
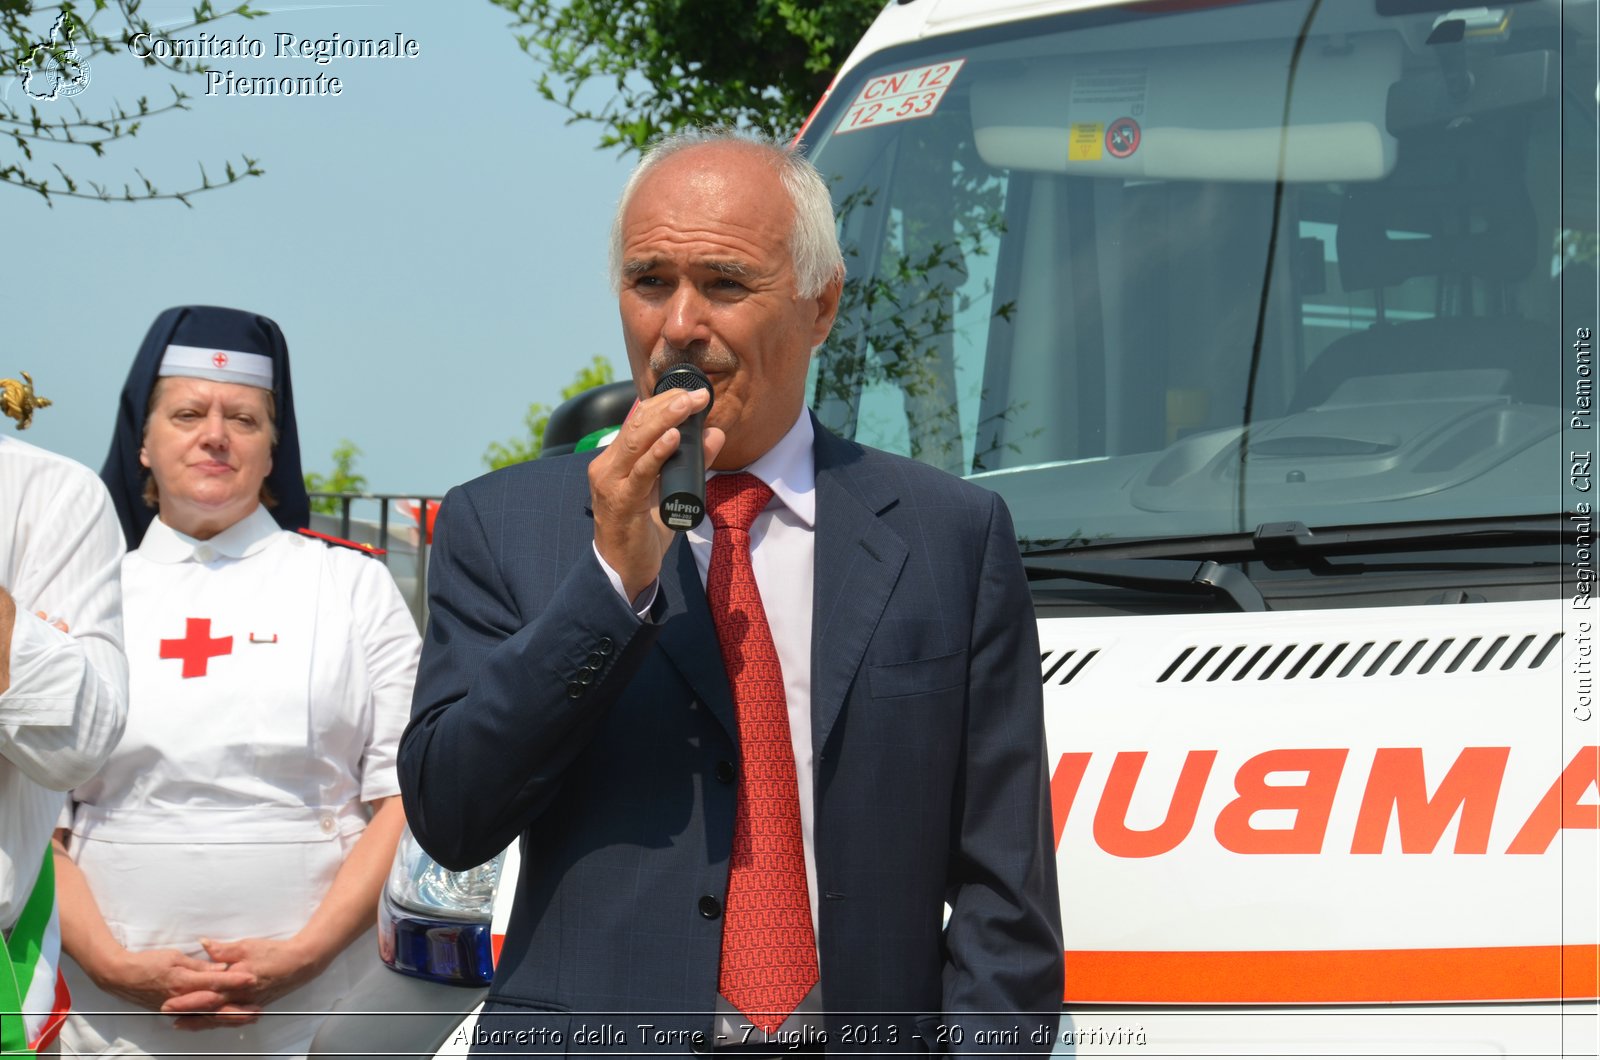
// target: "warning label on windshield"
[[900, 96], [1103, 113], [1084, 144], [1122, 139], [1120, 90]]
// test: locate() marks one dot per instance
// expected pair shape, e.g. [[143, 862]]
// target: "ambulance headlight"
[[435, 923], [422, 885]]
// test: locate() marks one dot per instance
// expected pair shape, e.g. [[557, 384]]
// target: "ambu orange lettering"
[[1064, 787], [1560, 807], [1397, 783], [1111, 829], [1311, 801]]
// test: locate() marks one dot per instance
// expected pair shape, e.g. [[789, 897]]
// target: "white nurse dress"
[[270, 676]]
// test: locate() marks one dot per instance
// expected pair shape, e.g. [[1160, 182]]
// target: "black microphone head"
[[683, 475], [685, 377]]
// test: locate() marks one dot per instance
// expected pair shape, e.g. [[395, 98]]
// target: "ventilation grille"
[[1060, 667], [1433, 657]]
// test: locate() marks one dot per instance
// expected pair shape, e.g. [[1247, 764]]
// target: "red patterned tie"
[[769, 953]]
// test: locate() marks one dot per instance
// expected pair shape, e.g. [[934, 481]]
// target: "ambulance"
[[1272, 322]]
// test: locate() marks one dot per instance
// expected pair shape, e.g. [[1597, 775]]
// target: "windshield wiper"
[[1195, 565], [1153, 575], [1296, 544], [1297, 539]]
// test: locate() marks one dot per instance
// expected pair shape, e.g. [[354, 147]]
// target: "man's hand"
[[624, 485]]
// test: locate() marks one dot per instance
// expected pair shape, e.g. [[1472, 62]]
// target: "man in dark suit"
[[751, 765]]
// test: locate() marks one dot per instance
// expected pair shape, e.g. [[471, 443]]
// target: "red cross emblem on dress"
[[197, 647], [219, 359]]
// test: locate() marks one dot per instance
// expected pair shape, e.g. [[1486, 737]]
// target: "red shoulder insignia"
[[369, 550]]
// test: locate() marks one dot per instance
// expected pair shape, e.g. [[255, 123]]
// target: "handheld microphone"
[[683, 476]]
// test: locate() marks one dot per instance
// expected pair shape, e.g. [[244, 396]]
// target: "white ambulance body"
[[1268, 321], [1271, 322]]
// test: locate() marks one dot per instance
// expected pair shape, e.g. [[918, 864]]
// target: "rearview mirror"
[[1212, 113]]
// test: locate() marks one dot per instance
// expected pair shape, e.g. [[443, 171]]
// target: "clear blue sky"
[[432, 241]]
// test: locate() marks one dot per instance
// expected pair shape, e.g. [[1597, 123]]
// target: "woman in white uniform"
[[219, 880]]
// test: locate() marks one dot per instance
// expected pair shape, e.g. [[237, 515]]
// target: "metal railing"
[[382, 521]]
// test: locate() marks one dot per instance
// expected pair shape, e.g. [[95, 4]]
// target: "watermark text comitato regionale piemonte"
[[319, 50]]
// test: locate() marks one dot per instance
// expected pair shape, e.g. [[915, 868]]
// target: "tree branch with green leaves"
[[45, 58], [344, 478], [672, 64]]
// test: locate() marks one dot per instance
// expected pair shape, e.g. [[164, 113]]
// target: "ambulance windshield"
[[1178, 270]]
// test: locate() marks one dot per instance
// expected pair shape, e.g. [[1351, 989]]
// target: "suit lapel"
[[688, 636], [858, 561]]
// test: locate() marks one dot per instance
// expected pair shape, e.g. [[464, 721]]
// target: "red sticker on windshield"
[[1122, 138], [900, 96]]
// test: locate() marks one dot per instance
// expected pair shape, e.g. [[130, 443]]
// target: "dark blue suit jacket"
[[545, 709]]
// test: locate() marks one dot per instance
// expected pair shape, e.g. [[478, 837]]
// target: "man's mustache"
[[706, 359]]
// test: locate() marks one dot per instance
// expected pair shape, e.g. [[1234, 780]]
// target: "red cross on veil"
[[197, 647]]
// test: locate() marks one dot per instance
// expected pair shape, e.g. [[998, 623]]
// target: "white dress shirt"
[[783, 557], [60, 549]]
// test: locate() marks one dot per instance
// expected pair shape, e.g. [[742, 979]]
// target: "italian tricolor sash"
[[33, 996]]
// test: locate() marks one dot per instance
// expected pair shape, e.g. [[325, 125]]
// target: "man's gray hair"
[[814, 242]]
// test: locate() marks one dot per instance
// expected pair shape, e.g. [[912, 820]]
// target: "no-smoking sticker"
[[1122, 138]]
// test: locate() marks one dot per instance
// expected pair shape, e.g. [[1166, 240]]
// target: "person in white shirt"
[[220, 879], [63, 702]]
